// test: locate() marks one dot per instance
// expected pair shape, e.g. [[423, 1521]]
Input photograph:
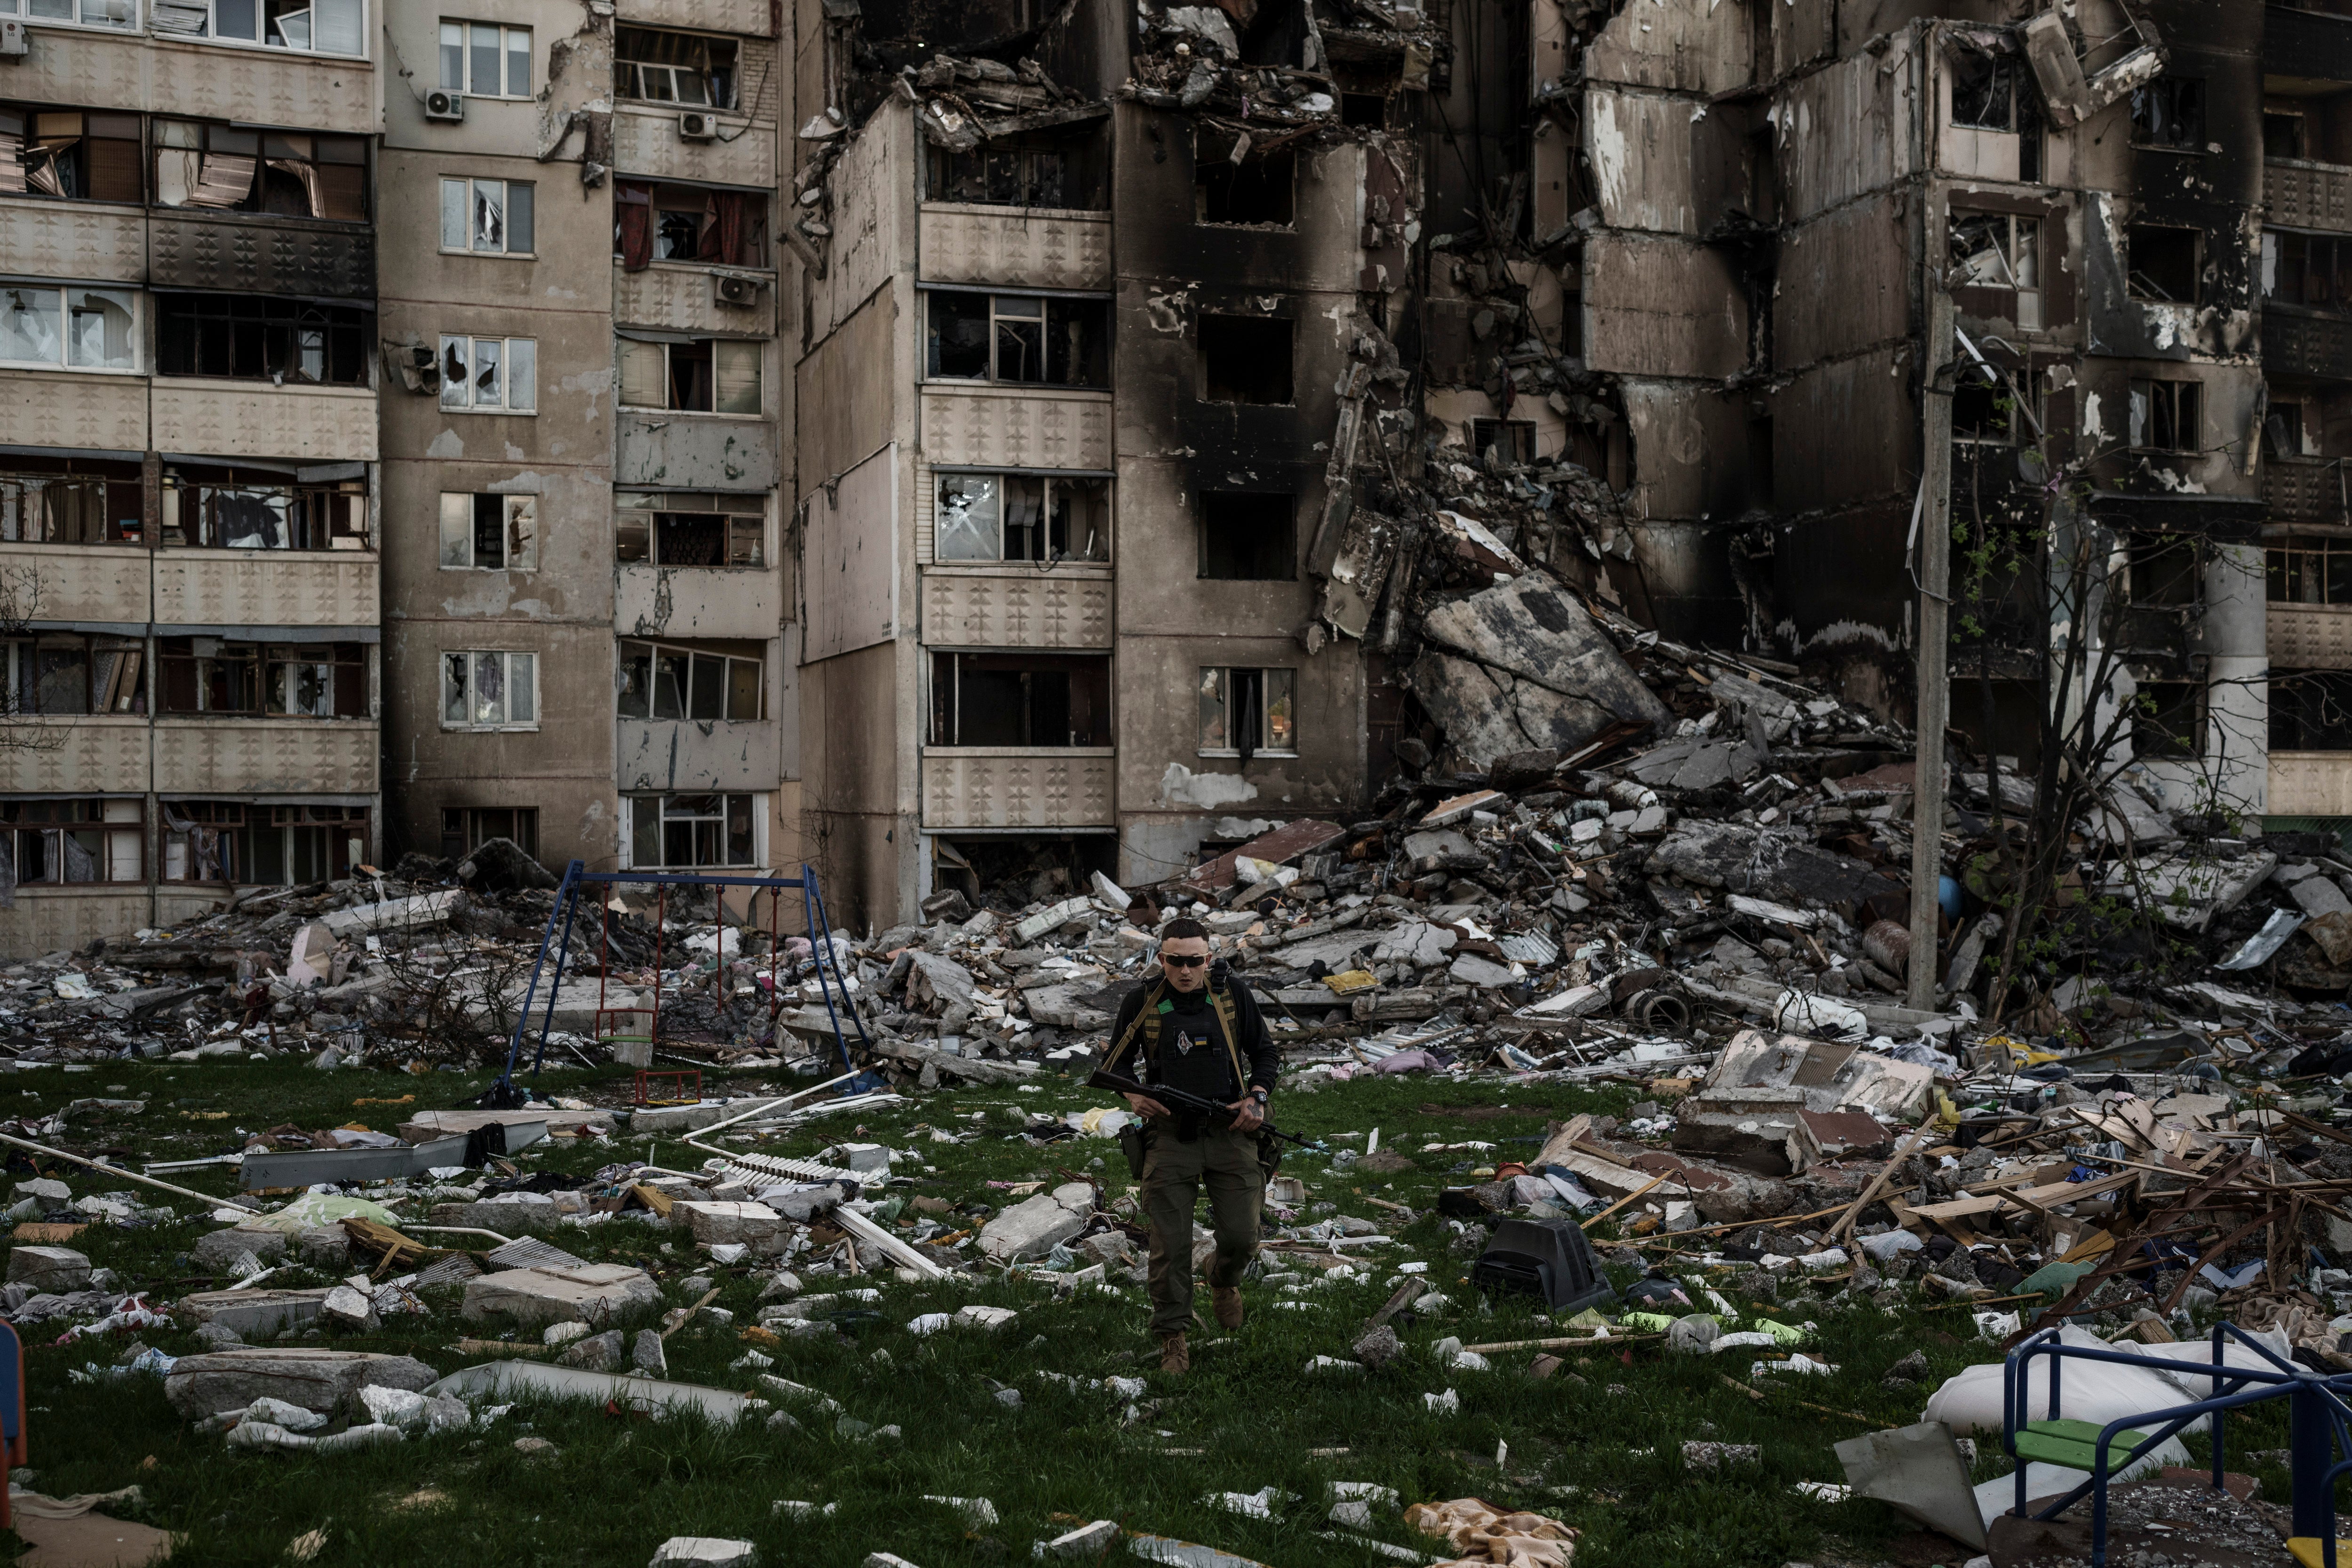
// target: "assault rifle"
[[1178, 1100]]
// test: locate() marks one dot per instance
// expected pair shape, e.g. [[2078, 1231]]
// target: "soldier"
[[1196, 1028]]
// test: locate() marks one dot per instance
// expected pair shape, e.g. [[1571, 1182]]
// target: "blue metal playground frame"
[[577, 876]]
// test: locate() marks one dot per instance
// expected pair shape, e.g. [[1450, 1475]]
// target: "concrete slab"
[[595, 1294]]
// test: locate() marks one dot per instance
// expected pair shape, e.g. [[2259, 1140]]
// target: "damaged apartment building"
[[190, 507]]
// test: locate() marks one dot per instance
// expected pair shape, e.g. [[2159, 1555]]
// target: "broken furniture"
[[684, 1087], [577, 876], [1546, 1258], [2317, 1416]]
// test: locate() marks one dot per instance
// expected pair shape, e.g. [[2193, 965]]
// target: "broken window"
[[313, 26], [710, 683], [1249, 537], [291, 174], [2312, 269], [67, 673], [490, 217], [256, 338], [2164, 415], [687, 223], [482, 59], [2164, 263], [1983, 411], [674, 68], [1246, 711], [66, 841], [490, 690], [695, 376], [1021, 517], [489, 532], [264, 846], [2311, 710], [1986, 89], [1017, 337], [120, 15], [1999, 251], [1511, 440], [65, 506], [1232, 187], [2310, 568], [1015, 173], [67, 327], [685, 832], [2170, 113], [233, 509], [2283, 133], [491, 375], [284, 681], [1028, 699], [466, 828], [2165, 570], [1245, 359], [2169, 718], [69, 154], [671, 528]]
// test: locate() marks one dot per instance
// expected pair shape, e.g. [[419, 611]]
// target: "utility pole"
[[1933, 573]]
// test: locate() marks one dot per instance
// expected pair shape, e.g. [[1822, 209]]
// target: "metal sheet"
[[307, 1167]]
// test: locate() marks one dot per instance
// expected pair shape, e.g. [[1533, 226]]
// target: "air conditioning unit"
[[725, 290], [444, 105], [13, 44], [698, 128]]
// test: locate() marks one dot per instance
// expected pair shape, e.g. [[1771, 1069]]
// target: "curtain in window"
[[635, 205]]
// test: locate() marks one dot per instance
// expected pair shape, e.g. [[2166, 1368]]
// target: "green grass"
[[617, 1485]]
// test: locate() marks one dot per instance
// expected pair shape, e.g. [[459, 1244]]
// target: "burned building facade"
[[190, 503]]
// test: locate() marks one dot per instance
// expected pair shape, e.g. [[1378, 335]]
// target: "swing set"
[[640, 1024]]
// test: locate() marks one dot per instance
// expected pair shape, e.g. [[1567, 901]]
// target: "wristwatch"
[[1258, 1094]]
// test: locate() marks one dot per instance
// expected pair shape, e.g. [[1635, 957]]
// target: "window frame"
[[263, 669], [119, 821], [471, 186], [29, 135], [507, 377], [507, 36], [235, 825], [1100, 355], [732, 73], [2018, 250], [2302, 557], [510, 507], [2145, 724], [625, 347], [753, 804], [750, 514], [342, 332], [2148, 94], [210, 33], [22, 499], [17, 678], [134, 338], [626, 679], [23, 11], [1050, 481], [183, 495], [461, 828], [471, 697], [1224, 674], [2138, 422]]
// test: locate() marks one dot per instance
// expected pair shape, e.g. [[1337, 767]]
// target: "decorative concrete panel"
[[1057, 609], [991, 787]]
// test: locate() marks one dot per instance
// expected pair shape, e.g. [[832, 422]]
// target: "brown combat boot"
[[1227, 1301], [1174, 1354]]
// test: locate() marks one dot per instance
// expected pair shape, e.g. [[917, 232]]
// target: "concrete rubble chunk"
[[320, 1380], [1086, 1543], [595, 1294], [51, 1268], [703, 1551], [1030, 1228]]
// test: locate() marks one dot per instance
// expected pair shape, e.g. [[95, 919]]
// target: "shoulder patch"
[[1167, 1006]]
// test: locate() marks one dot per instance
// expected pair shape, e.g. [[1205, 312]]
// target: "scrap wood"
[[1629, 1197], [385, 1243]]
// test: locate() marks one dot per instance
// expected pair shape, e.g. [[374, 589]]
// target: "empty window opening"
[[60, 841], [1986, 89], [1018, 172], [466, 828], [1249, 537], [276, 845], [1028, 699], [1021, 517], [2002, 252], [1246, 711], [2312, 269], [2283, 135], [2311, 710], [64, 673], [1982, 412], [1510, 441], [69, 506], [288, 173], [2169, 718], [2169, 114], [2164, 415], [2310, 570], [222, 508], [2164, 262], [680, 528], [1367, 110], [489, 532], [1245, 359], [712, 682], [284, 681], [1017, 337], [252, 337], [1260, 189]]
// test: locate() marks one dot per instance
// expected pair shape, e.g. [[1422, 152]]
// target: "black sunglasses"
[[1184, 960]]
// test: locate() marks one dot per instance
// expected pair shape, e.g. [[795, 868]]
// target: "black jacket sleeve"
[[1258, 1050]]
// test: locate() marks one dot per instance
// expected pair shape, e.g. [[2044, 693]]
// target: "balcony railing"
[[1007, 787]]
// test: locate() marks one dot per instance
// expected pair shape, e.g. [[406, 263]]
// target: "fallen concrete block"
[[394, 914], [595, 1293], [703, 1551], [1030, 1228], [252, 1313], [1087, 1541], [202, 1386], [753, 1225], [49, 1268]]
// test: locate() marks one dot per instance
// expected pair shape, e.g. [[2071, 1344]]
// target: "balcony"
[[251, 85], [1016, 427], [1002, 788], [96, 241], [253, 419], [993, 607], [91, 753], [696, 755], [645, 141], [2298, 342], [57, 920], [234, 588], [698, 602], [2306, 45], [85, 584], [2299, 194], [694, 451], [2309, 637], [2310, 784], [68, 408], [2304, 490], [677, 296], [250, 253], [1034, 248], [267, 757], [750, 18]]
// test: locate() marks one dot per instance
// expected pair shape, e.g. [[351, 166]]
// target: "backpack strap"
[[1146, 1019], [1222, 1000]]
